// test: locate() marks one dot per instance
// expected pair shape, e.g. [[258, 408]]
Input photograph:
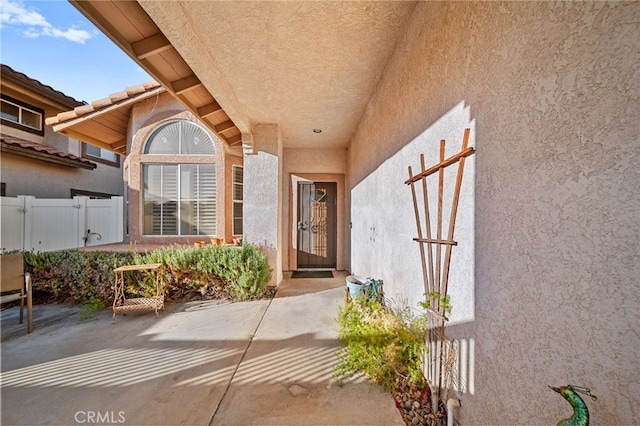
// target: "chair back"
[[12, 272]]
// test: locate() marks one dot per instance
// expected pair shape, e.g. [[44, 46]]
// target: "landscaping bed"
[[188, 274], [387, 345]]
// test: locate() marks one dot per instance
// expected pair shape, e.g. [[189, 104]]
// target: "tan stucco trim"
[[291, 228], [136, 158]]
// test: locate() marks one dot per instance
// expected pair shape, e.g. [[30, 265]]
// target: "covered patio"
[[543, 279]]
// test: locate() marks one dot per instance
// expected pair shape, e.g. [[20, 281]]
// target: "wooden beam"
[[235, 140], [444, 163], [150, 46], [185, 84], [120, 147], [432, 241], [210, 109], [224, 126]]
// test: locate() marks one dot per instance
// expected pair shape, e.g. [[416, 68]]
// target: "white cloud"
[[72, 34], [30, 33], [14, 13]]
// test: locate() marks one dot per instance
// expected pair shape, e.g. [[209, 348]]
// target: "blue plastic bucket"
[[357, 285]]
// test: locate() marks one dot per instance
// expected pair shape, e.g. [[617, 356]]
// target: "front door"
[[317, 224]]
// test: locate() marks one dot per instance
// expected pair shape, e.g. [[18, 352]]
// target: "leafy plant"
[[435, 300], [385, 344], [74, 276]]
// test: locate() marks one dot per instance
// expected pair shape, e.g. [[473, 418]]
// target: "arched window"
[[179, 197], [180, 137]]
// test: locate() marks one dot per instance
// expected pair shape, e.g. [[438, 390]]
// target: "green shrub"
[[386, 345], [242, 272], [74, 276]]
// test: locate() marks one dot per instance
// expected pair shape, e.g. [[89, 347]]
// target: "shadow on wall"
[[385, 226]]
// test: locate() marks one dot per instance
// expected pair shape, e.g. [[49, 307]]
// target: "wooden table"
[[122, 305]]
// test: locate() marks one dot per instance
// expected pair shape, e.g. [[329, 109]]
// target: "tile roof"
[[130, 93], [9, 74], [46, 153]]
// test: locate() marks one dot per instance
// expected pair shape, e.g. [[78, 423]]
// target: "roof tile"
[[99, 104], [34, 146]]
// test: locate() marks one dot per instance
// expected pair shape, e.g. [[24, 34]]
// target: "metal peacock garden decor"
[[580, 415], [435, 254]]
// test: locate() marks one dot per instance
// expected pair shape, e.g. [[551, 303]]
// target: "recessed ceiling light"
[[317, 130]]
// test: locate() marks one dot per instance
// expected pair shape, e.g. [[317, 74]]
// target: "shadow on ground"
[[258, 362]]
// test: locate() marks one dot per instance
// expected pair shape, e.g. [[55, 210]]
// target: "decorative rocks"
[[415, 406]]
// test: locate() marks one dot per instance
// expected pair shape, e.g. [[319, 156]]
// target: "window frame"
[[235, 201], [22, 106], [179, 160], [101, 160], [179, 199]]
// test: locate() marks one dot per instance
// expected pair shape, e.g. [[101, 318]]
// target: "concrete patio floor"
[[266, 362]]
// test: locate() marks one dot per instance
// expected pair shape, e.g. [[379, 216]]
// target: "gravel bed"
[[415, 406]]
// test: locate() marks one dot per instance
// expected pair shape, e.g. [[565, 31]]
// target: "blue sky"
[[52, 42]]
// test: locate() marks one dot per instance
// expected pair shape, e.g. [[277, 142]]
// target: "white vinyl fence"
[[33, 224]]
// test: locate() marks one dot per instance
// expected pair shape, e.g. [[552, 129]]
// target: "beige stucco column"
[[262, 195]]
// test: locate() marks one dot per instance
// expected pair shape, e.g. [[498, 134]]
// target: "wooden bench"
[[122, 305], [16, 285]]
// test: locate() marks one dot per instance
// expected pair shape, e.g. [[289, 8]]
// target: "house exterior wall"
[[25, 176], [263, 187], [543, 282], [146, 117]]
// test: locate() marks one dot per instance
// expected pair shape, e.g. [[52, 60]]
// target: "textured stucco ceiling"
[[302, 65]]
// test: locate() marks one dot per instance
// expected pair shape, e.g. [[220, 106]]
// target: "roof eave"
[[158, 57], [44, 156]]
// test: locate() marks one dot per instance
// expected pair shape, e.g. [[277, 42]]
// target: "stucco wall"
[[25, 176], [262, 196], [544, 285]]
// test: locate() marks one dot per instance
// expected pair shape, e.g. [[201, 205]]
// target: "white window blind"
[[179, 199], [238, 178]]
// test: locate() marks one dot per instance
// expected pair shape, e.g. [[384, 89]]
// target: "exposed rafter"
[[150, 46], [138, 35], [209, 109], [183, 85], [225, 126]]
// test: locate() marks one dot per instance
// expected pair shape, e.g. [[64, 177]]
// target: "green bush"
[[242, 272], [386, 345], [74, 276]]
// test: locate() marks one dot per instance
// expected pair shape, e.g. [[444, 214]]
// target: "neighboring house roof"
[[24, 148], [34, 86], [104, 122]]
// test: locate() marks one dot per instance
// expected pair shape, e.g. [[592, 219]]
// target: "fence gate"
[[33, 224]]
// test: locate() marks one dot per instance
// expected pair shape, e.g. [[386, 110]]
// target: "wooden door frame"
[[294, 179]]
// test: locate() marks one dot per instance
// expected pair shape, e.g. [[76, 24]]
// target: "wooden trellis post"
[[435, 268]]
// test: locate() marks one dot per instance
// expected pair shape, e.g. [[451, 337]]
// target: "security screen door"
[[317, 224]]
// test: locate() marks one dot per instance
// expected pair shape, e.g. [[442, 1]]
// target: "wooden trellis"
[[435, 263]]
